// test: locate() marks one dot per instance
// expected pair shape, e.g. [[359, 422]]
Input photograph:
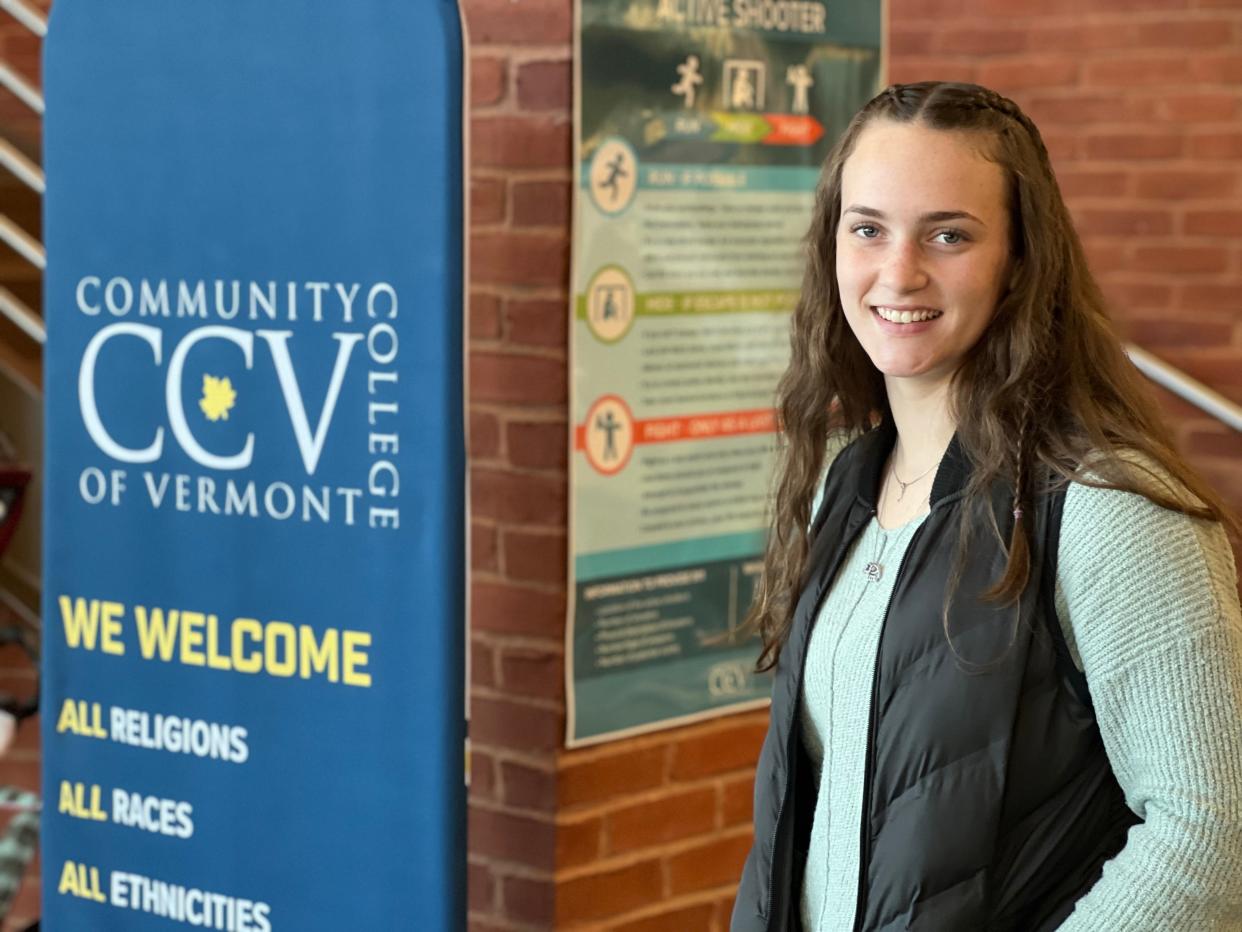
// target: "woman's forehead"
[[907, 170]]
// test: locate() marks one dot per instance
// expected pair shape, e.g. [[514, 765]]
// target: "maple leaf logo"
[[218, 397]]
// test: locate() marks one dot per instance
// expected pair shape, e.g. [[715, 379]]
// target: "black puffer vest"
[[989, 801]]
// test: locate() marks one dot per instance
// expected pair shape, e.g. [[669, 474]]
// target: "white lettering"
[[89, 309], [278, 344], [86, 393]]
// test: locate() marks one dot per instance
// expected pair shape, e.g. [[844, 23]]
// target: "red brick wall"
[[519, 254], [1141, 104]]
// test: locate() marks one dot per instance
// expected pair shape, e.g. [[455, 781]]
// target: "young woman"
[[1001, 610]]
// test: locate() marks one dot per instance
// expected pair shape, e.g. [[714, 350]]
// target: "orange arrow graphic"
[[792, 130]]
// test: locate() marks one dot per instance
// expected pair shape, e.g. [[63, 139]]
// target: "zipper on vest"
[[780, 811], [791, 750], [864, 849]]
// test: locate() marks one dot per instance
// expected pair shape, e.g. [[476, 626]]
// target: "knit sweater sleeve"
[[1149, 604]]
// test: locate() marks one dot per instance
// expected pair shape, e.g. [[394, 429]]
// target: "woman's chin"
[[902, 367]]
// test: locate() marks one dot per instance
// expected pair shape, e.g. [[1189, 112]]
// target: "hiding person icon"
[[743, 90]]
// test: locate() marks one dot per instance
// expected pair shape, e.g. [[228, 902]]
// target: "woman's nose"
[[903, 270]]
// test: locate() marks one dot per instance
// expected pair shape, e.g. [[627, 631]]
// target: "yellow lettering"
[[316, 658], [157, 632], [356, 656], [81, 621], [110, 633], [96, 811], [280, 666], [214, 659], [94, 890], [68, 718], [192, 638], [73, 802], [68, 880], [251, 662], [96, 729], [277, 648], [68, 804]]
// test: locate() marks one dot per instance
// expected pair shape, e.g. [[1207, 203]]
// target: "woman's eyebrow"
[[936, 216]]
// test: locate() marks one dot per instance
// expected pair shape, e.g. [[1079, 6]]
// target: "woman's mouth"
[[906, 315]]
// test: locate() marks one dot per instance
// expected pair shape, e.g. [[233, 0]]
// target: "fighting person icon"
[[606, 435], [608, 423], [799, 78], [688, 80]]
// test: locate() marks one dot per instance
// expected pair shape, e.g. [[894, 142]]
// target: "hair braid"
[[1045, 390]]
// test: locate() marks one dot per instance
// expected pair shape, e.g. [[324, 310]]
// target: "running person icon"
[[616, 171], [688, 80], [613, 174]]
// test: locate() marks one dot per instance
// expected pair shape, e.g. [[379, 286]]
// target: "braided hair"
[[1046, 389]]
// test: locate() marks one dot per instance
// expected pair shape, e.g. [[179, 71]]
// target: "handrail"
[[1185, 387], [23, 243], [20, 314], [18, 608], [22, 89], [27, 15], [23, 168]]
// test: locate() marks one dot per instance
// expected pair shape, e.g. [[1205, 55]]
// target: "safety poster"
[[701, 126]]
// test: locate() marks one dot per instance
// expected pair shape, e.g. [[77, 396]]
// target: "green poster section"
[[701, 127]]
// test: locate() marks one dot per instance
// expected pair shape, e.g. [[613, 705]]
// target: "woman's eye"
[[865, 230], [951, 237]]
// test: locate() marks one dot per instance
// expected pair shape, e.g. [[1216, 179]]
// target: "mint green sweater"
[[1148, 601]]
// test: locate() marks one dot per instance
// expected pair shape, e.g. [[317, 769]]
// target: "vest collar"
[[876, 445]]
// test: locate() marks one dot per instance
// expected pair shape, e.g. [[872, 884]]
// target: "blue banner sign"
[[253, 608]]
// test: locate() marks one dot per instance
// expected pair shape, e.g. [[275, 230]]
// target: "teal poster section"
[[253, 690], [701, 128]]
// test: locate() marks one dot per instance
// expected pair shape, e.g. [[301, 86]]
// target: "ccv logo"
[[310, 444], [728, 679]]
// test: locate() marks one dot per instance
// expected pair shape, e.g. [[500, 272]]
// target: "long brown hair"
[[1048, 382]]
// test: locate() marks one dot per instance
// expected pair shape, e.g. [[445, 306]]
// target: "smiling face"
[[922, 247]]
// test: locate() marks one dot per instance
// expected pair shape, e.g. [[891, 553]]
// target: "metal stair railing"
[[22, 89], [22, 243], [1182, 385], [33, 19], [21, 314], [27, 172]]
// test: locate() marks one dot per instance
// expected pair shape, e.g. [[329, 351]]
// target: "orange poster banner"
[[695, 427]]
